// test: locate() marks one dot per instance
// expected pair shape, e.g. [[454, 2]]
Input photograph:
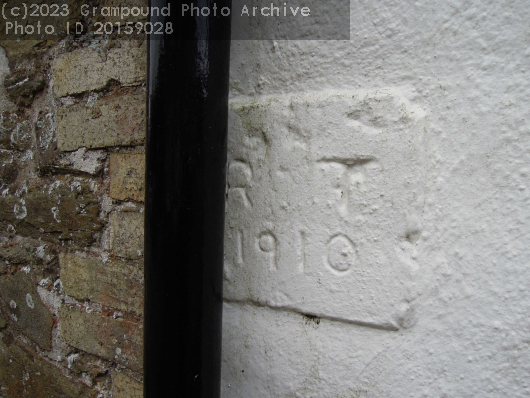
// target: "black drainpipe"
[[187, 115]]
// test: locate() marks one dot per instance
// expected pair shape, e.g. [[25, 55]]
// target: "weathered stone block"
[[127, 176], [111, 121], [21, 250], [27, 311], [125, 387], [22, 86], [127, 234], [23, 374], [19, 49], [119, 340], [16, 253], [116, 284], [60, 211], [322, 218], [87, 69]]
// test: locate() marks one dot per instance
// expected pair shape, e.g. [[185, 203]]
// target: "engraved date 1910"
[[341, 253]]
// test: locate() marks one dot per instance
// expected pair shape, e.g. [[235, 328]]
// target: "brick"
[[127, 176], [125, 387], [111, 121], [22, 374], [119, 340], [87, 69], [127, 234], [116, 284], [26, 309]]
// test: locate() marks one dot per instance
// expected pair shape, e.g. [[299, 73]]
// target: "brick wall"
[[72, 130]]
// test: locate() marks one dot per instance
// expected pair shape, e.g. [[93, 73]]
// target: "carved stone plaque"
[[325, 197]]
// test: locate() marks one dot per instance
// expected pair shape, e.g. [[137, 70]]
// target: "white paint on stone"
[[460, 260], [321, 186]]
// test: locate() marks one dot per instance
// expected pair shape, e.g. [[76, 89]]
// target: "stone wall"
[[72, 130]]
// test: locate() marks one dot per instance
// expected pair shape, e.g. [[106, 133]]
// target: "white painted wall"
[[437, 95]]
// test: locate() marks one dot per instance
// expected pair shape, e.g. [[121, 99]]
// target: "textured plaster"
[[466, 65]]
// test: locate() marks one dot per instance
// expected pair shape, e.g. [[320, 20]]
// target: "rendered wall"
[[380, 187], [376, 217]]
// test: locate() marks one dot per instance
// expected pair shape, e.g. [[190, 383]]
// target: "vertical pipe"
[[185, 203]]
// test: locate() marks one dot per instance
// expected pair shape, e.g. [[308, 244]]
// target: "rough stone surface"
[[88, 69], [84, 363], [114, 284], [15, 131], [127, 176], [63, 211], [20, 251], [19, 49], [24, 375], [125, 387], [26, 309], [111, 121], [22, 86], [127, 234], [466, 64], [118, 340]]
